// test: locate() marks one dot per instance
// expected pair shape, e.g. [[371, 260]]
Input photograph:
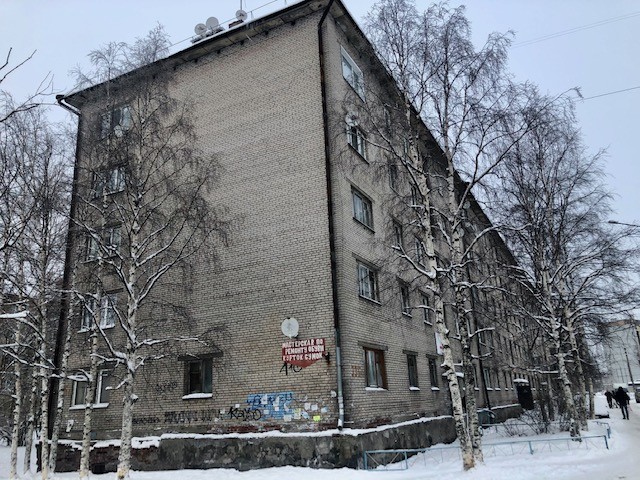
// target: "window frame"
[[420, 251], [412, 371], [102, 390], [120, 116], [405, 298], [88, 311], [74, 392], [366, 272], [376, 369], [357, 140], [393, 177], [426, 309], [486, 377], [108, 181], [433, 372], [398, 235], [112, 238], [205, 380], [108, 310], [354, 76], [91, 248], [362, 208]]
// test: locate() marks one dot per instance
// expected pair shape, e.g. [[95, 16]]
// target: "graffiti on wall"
[[273, 405], [287, 369], [276, 406]]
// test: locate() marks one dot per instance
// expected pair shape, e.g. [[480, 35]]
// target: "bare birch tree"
[[144, 214], [476, 115], [35, 198], [574, 266]]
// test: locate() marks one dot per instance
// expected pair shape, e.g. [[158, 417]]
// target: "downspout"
[[66, 275], [332, 241]]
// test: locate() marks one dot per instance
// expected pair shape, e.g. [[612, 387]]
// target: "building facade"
[[621, 353], [305, 321]]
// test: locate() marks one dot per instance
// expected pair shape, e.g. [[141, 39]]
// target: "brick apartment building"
[[312, 224]]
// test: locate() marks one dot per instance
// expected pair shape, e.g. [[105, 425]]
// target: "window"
[[367, 282], [481, 335], [362, 211], [374, 365], [108, 313], [79, 392], [486, 375], [108, 181], [405, 299], [398, 237], [103, 387], [116, 122], [420, 251], [357, 140], [88, 311], [433, 371], [352, 74], [199, 375], [112, 239], [412, 366], [92, 248], [393, 177], [426, 314], [416, 198]]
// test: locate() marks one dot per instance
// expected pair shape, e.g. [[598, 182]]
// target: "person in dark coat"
[[609, 396], [623, 400]]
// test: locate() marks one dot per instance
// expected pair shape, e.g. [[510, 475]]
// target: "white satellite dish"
[[351, 118], [241, 15], [200, 29], [212, 23], [290, 327]]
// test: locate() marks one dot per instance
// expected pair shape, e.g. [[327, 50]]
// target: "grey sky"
[[600, 59]]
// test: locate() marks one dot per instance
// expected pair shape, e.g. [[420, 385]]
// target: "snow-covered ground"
[[621, 461]]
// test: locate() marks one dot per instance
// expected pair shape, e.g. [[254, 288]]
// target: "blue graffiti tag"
[[273, 405]]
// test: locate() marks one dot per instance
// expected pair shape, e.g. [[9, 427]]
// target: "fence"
[[388, 460]]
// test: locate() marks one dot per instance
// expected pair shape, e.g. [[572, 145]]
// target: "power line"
[[611, 93], [576, 29]]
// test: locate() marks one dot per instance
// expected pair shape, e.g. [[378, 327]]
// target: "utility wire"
[[576, 29], [611, 93]]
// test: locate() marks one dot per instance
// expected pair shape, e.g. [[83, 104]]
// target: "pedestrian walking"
[[623, 400], [609, 396]]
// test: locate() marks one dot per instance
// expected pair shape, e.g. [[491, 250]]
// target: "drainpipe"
[[332, 241], [66, 275]]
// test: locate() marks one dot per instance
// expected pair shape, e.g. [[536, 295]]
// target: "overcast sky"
[[596, 48]]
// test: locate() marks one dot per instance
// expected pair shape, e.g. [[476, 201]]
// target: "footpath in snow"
[[621, 461]]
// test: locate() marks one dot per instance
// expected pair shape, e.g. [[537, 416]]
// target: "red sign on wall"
[[303, 353]]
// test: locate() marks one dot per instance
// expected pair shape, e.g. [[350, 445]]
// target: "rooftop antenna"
[[214, 25], [241, 15], [203, 30]]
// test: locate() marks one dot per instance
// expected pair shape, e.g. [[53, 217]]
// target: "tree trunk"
[[15, 432], [124, 457], [55, 434], [89, 399], [44, 402], [448, 364], [31, 419], [592, 408]]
